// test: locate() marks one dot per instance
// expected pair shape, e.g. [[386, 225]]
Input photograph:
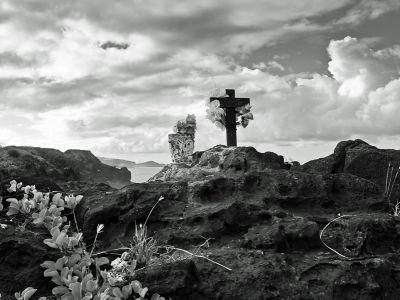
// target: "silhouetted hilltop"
[[29, 164]]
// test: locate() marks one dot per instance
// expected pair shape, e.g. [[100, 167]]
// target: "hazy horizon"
[[301, 152]]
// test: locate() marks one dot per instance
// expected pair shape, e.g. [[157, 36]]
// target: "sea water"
[[142, 174]]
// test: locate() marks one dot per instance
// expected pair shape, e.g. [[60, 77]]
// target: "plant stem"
[[148, 216], [169, 247], [94, 244], [76, 223], [116, 249]]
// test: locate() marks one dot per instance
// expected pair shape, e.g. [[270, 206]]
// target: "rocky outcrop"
[[358, 158], [262, 218], [90, 167], [32, 164], [221, 161]]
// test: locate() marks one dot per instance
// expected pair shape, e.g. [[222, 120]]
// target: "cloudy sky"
[[115, 76]]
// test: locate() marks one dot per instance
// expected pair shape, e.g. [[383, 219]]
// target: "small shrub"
[[14, 153]]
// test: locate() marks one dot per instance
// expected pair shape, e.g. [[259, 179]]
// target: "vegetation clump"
[[14, 153], [78, 273]]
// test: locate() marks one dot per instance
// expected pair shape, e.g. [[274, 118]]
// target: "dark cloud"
[[119, 46], [10, 58]]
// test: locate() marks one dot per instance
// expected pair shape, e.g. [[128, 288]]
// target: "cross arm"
[[229, 102]]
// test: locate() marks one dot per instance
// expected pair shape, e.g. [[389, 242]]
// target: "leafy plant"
[[143, 247], [78, 274], [26, 294]]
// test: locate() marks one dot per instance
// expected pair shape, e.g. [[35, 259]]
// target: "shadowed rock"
[[38, 164]]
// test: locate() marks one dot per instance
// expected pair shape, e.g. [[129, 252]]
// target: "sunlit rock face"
[[181, 147], [181, 142], [221, 161]]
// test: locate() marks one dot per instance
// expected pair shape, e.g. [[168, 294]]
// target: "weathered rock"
[[119, 210], [221, 160], [364, 235], [301, 191], [223, 205], [21, 253], [284, 235], [371, 278], [358, 158], [266, 275], [250, 212]]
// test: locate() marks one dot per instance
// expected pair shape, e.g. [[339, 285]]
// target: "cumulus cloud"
[[360, 97], [358, 68], [114, 76]]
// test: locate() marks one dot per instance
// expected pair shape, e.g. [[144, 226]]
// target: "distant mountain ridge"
[[120, 163], [150, 164]]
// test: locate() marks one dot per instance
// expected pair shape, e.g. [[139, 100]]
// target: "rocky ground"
[[253, 213]]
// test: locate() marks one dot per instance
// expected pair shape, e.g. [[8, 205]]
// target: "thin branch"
[[107, 251], [322, 232], [199, 256]]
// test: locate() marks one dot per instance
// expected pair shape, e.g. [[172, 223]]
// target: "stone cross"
[[229, 104]]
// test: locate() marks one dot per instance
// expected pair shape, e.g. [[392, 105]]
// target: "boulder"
[[358, 158]]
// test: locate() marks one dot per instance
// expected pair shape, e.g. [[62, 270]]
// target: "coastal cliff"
[[33, 164]]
